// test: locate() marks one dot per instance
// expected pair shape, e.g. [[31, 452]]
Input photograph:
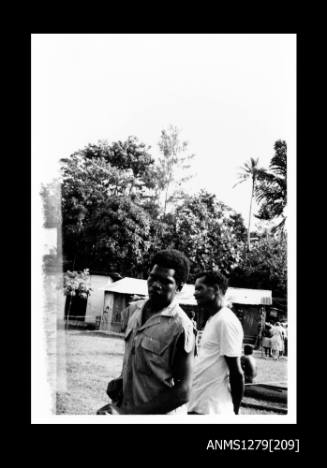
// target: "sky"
[[231, 96]]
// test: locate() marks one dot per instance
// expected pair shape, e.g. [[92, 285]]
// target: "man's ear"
[[216, 288]]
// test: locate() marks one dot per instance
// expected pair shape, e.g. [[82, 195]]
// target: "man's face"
[[162, 286], [205, 294]]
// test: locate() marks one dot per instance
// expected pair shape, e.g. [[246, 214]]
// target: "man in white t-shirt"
[[218, 380]]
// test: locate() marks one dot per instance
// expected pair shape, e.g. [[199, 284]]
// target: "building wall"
[[113, 305], [249, 315], [121, 301], [95, 303], [252, 318], [107, 311]]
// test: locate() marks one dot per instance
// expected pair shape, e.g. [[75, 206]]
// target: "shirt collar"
[[168, 311]]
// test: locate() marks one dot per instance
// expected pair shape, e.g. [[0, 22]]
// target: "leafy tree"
[[86, 184], [95, 182], [264, 267], [252, 171], [209, 233], [162, 236], [117, 235], [173, 160], [271, 191], [76, 283], [131, 157], [126, 166]]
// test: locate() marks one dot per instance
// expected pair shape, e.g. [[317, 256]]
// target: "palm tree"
[[271, 190], [250, 170]]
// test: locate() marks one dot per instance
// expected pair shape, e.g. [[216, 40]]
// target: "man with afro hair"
[[159, 344]]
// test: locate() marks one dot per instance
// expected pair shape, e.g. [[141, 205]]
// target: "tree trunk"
[[166, 198], [250, 214]]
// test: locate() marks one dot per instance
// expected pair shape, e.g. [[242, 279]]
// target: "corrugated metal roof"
[[235, 295], [249, 296], [129, 286]]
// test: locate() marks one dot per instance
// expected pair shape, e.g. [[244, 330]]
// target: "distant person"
[[277, 345], [248, 364], [258, 341], [266, 340], [282, 330], [105, 318], [218, 380], [191, 316], [159, 346], [285, 338]]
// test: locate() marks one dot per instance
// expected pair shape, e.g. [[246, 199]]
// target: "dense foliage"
[[209, 233], [119, 205], [263, 267], [77, 283]]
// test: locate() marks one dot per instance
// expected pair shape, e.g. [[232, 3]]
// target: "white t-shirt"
[[222, 336]]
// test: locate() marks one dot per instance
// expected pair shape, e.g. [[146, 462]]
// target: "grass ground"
[[91, 360]]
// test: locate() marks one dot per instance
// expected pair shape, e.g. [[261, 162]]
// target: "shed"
[[84, 312], [249, 304]]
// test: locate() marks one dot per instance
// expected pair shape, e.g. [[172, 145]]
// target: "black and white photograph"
[[163, 228]]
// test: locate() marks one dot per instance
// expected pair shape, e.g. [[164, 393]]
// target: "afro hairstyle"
[[171, 258], [214, 278]]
